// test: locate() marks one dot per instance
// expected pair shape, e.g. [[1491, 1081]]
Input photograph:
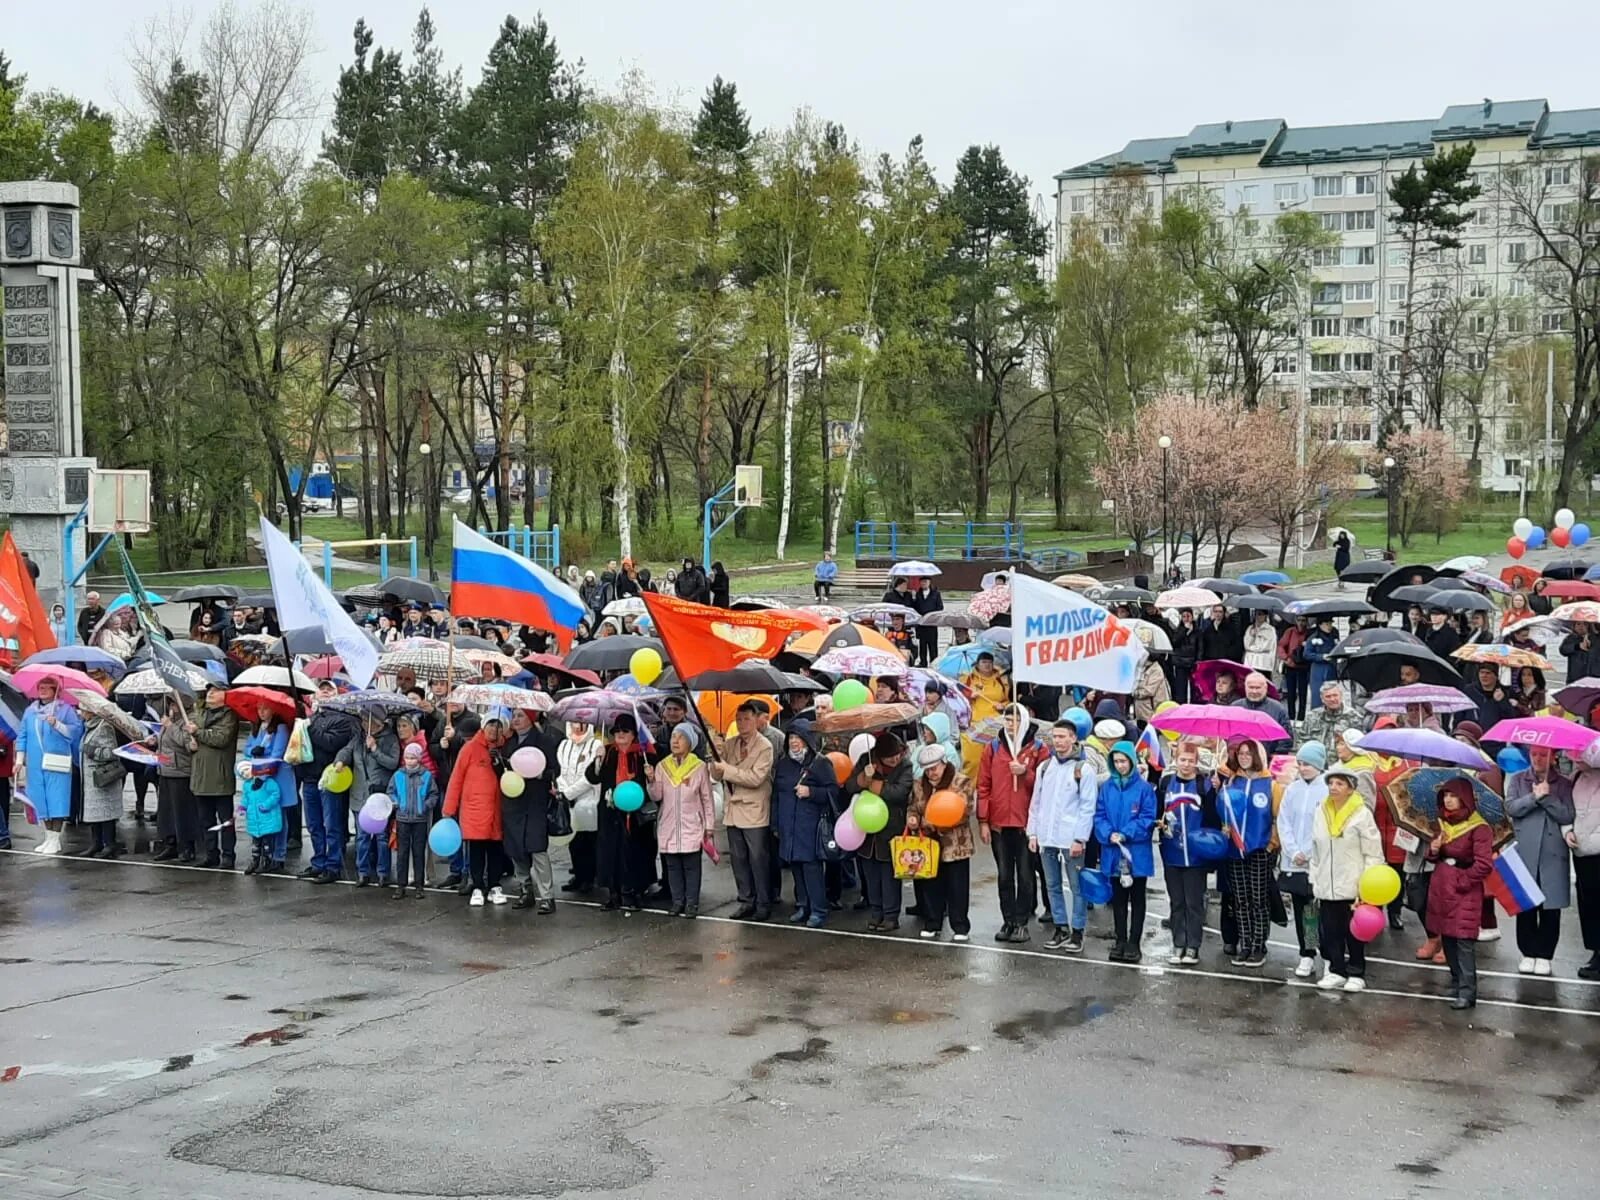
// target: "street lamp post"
[[1388, 506], [430, 517], [1166, 541]]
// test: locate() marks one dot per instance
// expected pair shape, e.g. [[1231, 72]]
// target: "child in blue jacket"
[[1124, 820], [414, 794]]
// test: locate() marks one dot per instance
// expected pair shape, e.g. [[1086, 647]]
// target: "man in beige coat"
[[745, 770]]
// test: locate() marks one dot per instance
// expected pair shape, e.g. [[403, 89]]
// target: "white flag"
[[303, 599], [1059, 637]]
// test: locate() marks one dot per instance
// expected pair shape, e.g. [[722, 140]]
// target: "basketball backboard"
[[747, 486], [119, 501]]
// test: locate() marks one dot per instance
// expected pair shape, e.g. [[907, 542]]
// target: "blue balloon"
[[444, 839], [629, 796], [1206, 845], [1511, 760], [1081, 721], [1096, 887], [1535, 539], [1580, 534]]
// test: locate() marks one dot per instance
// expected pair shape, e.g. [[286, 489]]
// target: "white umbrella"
[[148, 683], [914, 569], [278, 677], [628, 606], [1187, 597], [1154, 637], [1465, 562]]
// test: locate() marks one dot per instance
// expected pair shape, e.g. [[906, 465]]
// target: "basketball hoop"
[[119, 502]]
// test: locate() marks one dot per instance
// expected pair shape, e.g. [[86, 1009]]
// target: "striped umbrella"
[[429, 662]]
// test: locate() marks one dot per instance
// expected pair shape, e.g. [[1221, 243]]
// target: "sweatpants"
[[1060, 877], [1126, 902], [948, 894], [216, 811], [1538, 931], [809, 891], [747, 852], [484, 859], [683, 878], [1247, 879], [1586, 871], [1186, 893], [1344, 954], [1012, 860], [1462, 955], [883, 889], [411, 854]]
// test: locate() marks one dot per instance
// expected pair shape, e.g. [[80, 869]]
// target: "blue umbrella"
[[124, 600], [958, 660], [1257, 578], [85, 658]]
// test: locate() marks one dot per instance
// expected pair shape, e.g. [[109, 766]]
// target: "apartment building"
[[1352, 324]]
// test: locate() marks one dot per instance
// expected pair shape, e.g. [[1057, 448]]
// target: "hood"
[[1462, 790], [939, 723], [801, 728], [1124, 747], [1109, 710]]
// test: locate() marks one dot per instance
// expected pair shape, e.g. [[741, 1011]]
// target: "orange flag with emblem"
[[24, 624], [699, 637]]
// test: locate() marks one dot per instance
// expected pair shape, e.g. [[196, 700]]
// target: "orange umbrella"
[[718, 708], [816, 641], [813, 620]]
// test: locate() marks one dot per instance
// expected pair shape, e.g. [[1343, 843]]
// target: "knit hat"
[[1110, 731], [412, 751], [1351, 738], [887, 745], [1312, 754], [687, 732]]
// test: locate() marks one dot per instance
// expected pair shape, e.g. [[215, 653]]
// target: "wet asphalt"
[[185, 1033]]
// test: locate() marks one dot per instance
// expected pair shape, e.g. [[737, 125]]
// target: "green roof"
[[1228, 137], [1505, 118], [1578, 127], [1343, 143]]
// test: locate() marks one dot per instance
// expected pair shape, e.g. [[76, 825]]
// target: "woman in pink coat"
[[681, 785]]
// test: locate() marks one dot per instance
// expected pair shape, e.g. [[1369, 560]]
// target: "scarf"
[[677, 771], [1338, 819], [1452, 832]]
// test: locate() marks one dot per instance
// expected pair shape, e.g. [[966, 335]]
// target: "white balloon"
[[1565, 518], [859, 745], [1522, 527]]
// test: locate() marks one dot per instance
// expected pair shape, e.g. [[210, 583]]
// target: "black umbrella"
[[469, 641], [1402, 598], [802, 683], [1449, 583], [403, 587], [753, 676], [611, 653], [1364, 639], [1336, 606], [1567, 568], [205, 593], [309, 640], [1366, 572], [1128, 595], [1398, 577], [1462, 602], [1378, 667], [257, 600], [1224, 587], [189, 652], [1271, 604]]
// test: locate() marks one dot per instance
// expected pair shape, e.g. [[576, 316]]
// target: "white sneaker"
[[1488, 935], [1303, 971], [51, 843], [1191, 957], [1176, 958], [960, 937], [496, 896], [927, 935], [1525, 967], [1541, 966], [477, 898], [1330, 981], [1355, 984]]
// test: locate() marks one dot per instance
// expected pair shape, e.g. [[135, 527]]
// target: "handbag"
[[558, 818], [914, 857], [108, 774], [1295, 883], [1416, 891], [56, 764], [831, 850]]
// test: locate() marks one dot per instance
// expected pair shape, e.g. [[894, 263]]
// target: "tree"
[[1429, 481], [363, 143], [1303, 471], [430, 105]]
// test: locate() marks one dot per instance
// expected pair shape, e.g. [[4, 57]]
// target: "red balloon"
[[1516, 547], [1559, 537]]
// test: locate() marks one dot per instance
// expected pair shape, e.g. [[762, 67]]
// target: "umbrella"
[[1448, 583], [947, 618], [1155, 637], [124, 599], [325, 667], [464, 641], [1408, 576], [1464, 562], [1487, 582], [867, 718], [751, 677], [246, 700], [427, 663], [1362, 639], [818, 641], [1223, 587], [991, 602], [1126, 595], [27, 680], [204, 593], [1265, 578], [1547, 631], [604, 655], [1206, 672], [1571, 589], [1250, 602], [552, 664], [1418, 791], [494, 658], [627, 685], [596, 706], [1567, 568], [916, 568], [1219, 721], [257, 600], [276, 677], [1378, 666], [500, 695], [1581, 610], [1580, 696], [1187, 597], [1462, 602], [85, 658], [802, 683], [860, 660], [958, 660], [371, 702], [1553, 733], [403, 587], [365, 595], [197, 652], [1499, 655], [754, 603], [1365, 572], [1334, 607], [880, 614], [831, 613], [95, 704], [628, 606], [1440, 698], [1076, 583], [148, 683], [1425, 744], [12, 704], [306, 640], [1402, 598]]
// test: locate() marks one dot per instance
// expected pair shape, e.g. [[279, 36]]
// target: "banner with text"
[[1059, 637]]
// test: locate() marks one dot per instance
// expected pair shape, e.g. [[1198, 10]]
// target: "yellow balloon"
[[1380, 884], [512, 784], [339, 778], [645, 665]]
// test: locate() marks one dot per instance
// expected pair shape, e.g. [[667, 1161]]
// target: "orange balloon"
[[946, 809], [841, 766]]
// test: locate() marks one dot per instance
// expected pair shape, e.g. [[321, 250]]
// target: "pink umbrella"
[[1206, 672], [1187, 597], [1440, 698], [1553, 733], [1219, 721], [27, 681], [991, 602]]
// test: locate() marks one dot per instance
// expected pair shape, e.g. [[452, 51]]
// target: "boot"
[[1428, 949], [255, 863], [525, 898], [167, 853], [1467, 965]]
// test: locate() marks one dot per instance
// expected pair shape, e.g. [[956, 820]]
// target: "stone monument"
[[44, 478]]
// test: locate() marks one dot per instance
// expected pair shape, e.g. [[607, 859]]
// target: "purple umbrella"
[[1425, 744], [1440, 698]]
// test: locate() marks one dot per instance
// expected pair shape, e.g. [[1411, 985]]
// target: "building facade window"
[[1516, 252], [1478, 289], [1477, 360], [1477, 254], [1358, 327], [1358, 256], [1357, 292], [1397, 293], [1328, 293], [1078, 204], [1327, 185], [1553, 322], [1333, 222], [1324, 363], [1322, 327], [1286, 193], [1367, 218], [1366, 185], [1285, 364], [1558, 175]]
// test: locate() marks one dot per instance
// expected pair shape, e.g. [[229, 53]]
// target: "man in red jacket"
[[1005, 792]]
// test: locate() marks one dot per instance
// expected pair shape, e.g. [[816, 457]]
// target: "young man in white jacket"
[[1060, 822]]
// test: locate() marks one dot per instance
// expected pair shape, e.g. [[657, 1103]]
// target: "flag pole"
[[672, 661]]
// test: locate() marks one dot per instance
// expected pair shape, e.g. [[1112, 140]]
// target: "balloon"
[[528, 762], [1511, 760], [1380, 884], [371, 823], [946, 809], [859, 745], [512, 785], [841, 765], [1081, 721], [1366, 922], [629, 797], [869, 812], [1565, 518], [444, 839], [1535, 539], [1516, 547], [645, 665], [1560, 537], [850, 693], [562, 839], [1096, 887], [1580, 534], [338, 778], [1522, 527], [847, 833]]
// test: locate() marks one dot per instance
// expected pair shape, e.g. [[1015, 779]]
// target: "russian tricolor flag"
[[1149, 747], [1512, 883], [490, 581]]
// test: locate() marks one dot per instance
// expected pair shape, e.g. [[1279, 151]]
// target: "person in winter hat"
[[1463, 854], [415, 795], [1297, 806]]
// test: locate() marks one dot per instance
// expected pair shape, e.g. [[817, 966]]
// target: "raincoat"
[[1126, 804], [50, 791], [938, 724]]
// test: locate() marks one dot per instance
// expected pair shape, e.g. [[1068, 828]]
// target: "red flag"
[[24, 623], [699, 637]]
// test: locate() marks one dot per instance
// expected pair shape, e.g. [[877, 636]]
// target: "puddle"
[[273, 1037], [235, 996], [481, 968], [110, 1074], [815, 1048], [889, 1015], [1042, 1023], [1237, 1152], [1416, 1168], [750, 1026]]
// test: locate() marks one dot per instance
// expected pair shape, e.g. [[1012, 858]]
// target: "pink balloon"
[[848, 834], [1366, 922], [528, 762]]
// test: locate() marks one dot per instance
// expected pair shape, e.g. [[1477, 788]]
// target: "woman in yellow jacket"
[[1344, 843]]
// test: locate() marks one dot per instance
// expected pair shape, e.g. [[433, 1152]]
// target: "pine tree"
[[365, 106]]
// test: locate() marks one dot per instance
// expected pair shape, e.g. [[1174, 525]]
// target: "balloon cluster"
[[1568, 531], [1379, 886]]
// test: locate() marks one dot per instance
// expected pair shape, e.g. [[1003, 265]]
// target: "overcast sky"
[[1052, 84]]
